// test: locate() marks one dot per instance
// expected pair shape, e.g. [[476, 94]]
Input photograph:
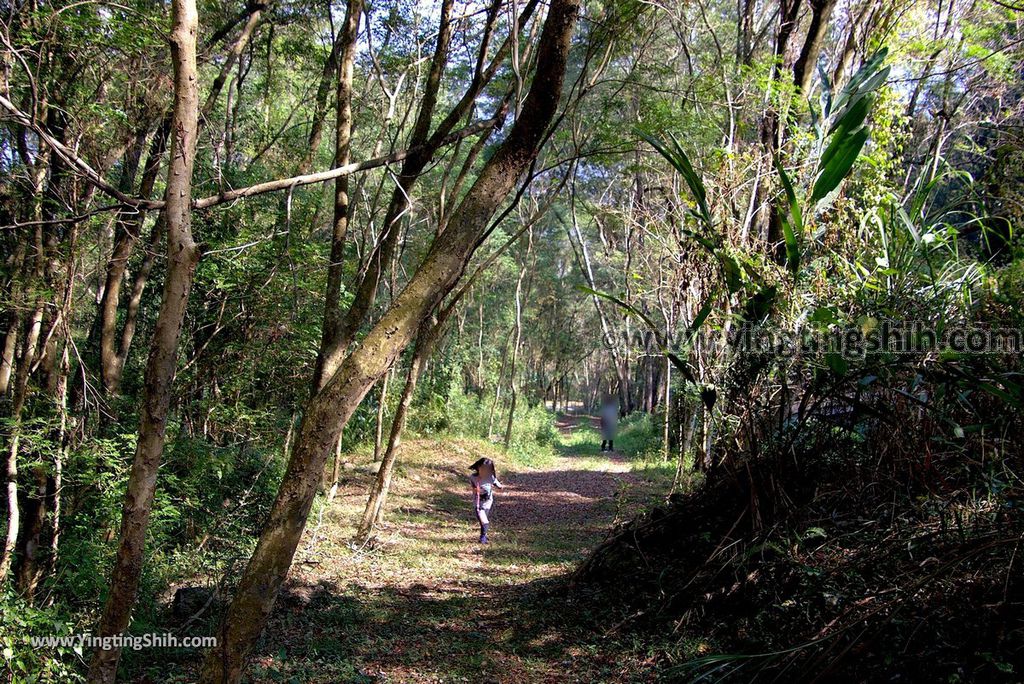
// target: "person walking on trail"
[[484, 480], [609, 424]]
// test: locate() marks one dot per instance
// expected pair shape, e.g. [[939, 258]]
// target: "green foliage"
[[639, 436], [846, 120], [919, 224], [681, 162], [792, 221], [98, 468], [20, 660], [533, 434]]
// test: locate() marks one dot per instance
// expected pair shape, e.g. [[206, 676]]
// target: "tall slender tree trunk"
[[378, 436], [53, 382], [35, 498], [480, 382], [688, 424], [668, 408], [497, 384], [618, 360], [34, 272], [342, 153], [343, 53], [7, 352], [11, 461], [858, 25], [31, 336], [57, 479], [234, 52], [512, 389], [342, 329], [182, 257], [329, 410], [774, 127], [745, 31], [113, 351], [373, 513], [12, 295], [707, 437]]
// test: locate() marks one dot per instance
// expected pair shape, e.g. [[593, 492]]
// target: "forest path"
[[428, 603]]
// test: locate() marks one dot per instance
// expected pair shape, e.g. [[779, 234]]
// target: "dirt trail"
[[428, 603]]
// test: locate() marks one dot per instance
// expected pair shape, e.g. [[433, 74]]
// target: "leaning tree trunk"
[[329, 410], [426, 338], [182, 257], [424, 145], [339, 330]]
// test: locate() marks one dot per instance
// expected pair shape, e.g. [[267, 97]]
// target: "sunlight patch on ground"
[[424, 601]]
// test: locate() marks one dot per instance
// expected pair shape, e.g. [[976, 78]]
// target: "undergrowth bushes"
[[20, 661], [639, 435], [213, 493], [462, 414], [861, 519], [833, 557]]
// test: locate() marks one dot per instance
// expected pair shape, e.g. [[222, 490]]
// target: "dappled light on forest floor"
[[425, 602]]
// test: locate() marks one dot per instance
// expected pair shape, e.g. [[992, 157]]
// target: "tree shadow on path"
[[499, 613]]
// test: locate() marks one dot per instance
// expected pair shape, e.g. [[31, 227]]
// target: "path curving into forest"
[[427, 603]]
